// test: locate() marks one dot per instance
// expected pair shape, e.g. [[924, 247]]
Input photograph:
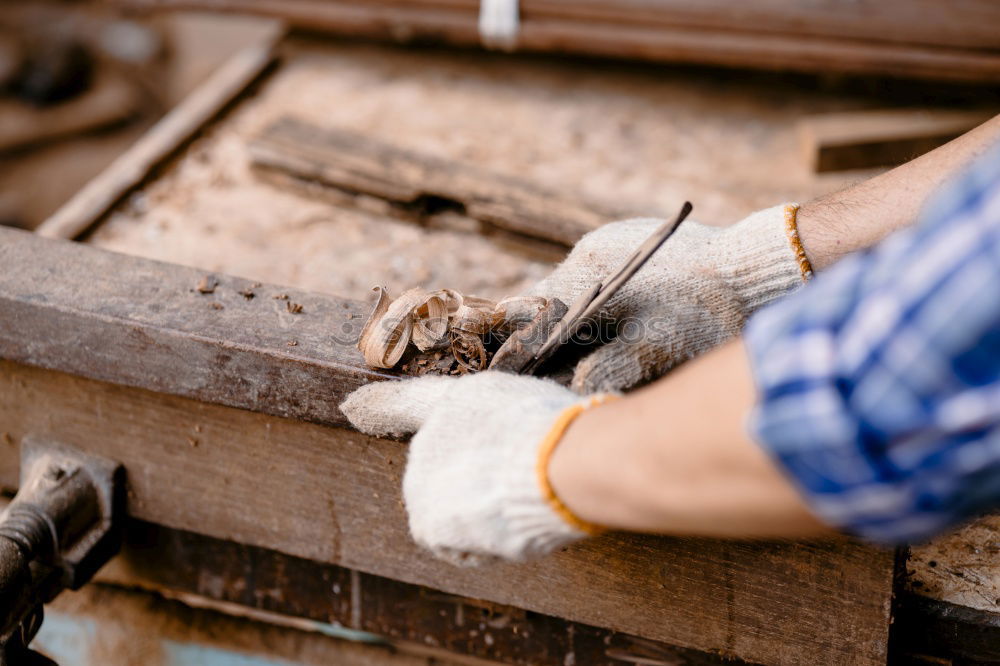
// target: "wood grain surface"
[[144, 323], [923, 40], [358, 163], [332, 495], [249, 580]]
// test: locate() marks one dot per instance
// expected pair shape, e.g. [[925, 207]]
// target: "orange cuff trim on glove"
[[548, 447], [792, 231]]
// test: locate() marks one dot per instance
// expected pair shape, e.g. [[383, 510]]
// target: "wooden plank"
[[179, 125], [103, 625], [144, 323], [178, 562], [865, 139], [720, 33], [333, 496], [931, 631], [959, 23], [960, 566], [358, 163], [111, 100]]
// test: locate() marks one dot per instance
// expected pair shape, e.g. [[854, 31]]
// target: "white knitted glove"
[[475, 486], [693, 294]]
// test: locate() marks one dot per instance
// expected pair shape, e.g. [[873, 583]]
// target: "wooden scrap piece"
[[865, 139], [358, 163]]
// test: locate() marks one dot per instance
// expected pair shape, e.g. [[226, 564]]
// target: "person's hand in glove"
[[472, 486], [514, 467], [696, 292]]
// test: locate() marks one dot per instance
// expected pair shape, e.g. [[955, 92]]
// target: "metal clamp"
[[60, 528]]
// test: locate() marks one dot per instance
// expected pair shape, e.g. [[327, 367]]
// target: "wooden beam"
[[163, 381], [865, 139], [959, 23], [106, 625], [175, 561], [144, 323], [422, 184], [333, 496], [930, 631], [178, 126], [889, 39]]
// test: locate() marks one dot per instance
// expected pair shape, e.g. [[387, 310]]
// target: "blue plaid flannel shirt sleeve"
[[879, 383]]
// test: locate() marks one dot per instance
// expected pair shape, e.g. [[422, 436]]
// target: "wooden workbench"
[[223, 406]]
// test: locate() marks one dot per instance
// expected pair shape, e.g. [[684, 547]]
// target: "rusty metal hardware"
[[60, 528]]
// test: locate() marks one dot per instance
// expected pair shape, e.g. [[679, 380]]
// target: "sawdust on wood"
[[641, 138], [962, 567]]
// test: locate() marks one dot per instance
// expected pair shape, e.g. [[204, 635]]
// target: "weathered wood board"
[[180, 369], [104, 625], [245, 579], [926, 39], [865, 139], [356, 162], [144, 323], [332, 495]]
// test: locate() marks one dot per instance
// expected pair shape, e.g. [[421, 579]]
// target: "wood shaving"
[[207, 285], [442, 320], [294, 308]]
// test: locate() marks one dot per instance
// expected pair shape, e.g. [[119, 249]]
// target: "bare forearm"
[[862, 215], [675, 458]]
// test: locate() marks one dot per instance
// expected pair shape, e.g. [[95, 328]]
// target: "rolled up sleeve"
[[879, 382]]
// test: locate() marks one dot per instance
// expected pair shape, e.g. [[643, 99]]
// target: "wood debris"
[[207, 285], [247, 294], [294, 308], [433, 363], [440, 321]]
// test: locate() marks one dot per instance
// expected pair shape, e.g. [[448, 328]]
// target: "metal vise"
[[60, 528]]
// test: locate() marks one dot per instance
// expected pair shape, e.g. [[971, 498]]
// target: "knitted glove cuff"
[[762, 258], [532, 520], [548, 448]]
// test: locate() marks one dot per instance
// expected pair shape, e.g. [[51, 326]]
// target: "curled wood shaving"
[[439, 320]]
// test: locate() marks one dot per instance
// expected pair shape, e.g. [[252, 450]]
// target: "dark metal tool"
[[60, 528], [526, 350]]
